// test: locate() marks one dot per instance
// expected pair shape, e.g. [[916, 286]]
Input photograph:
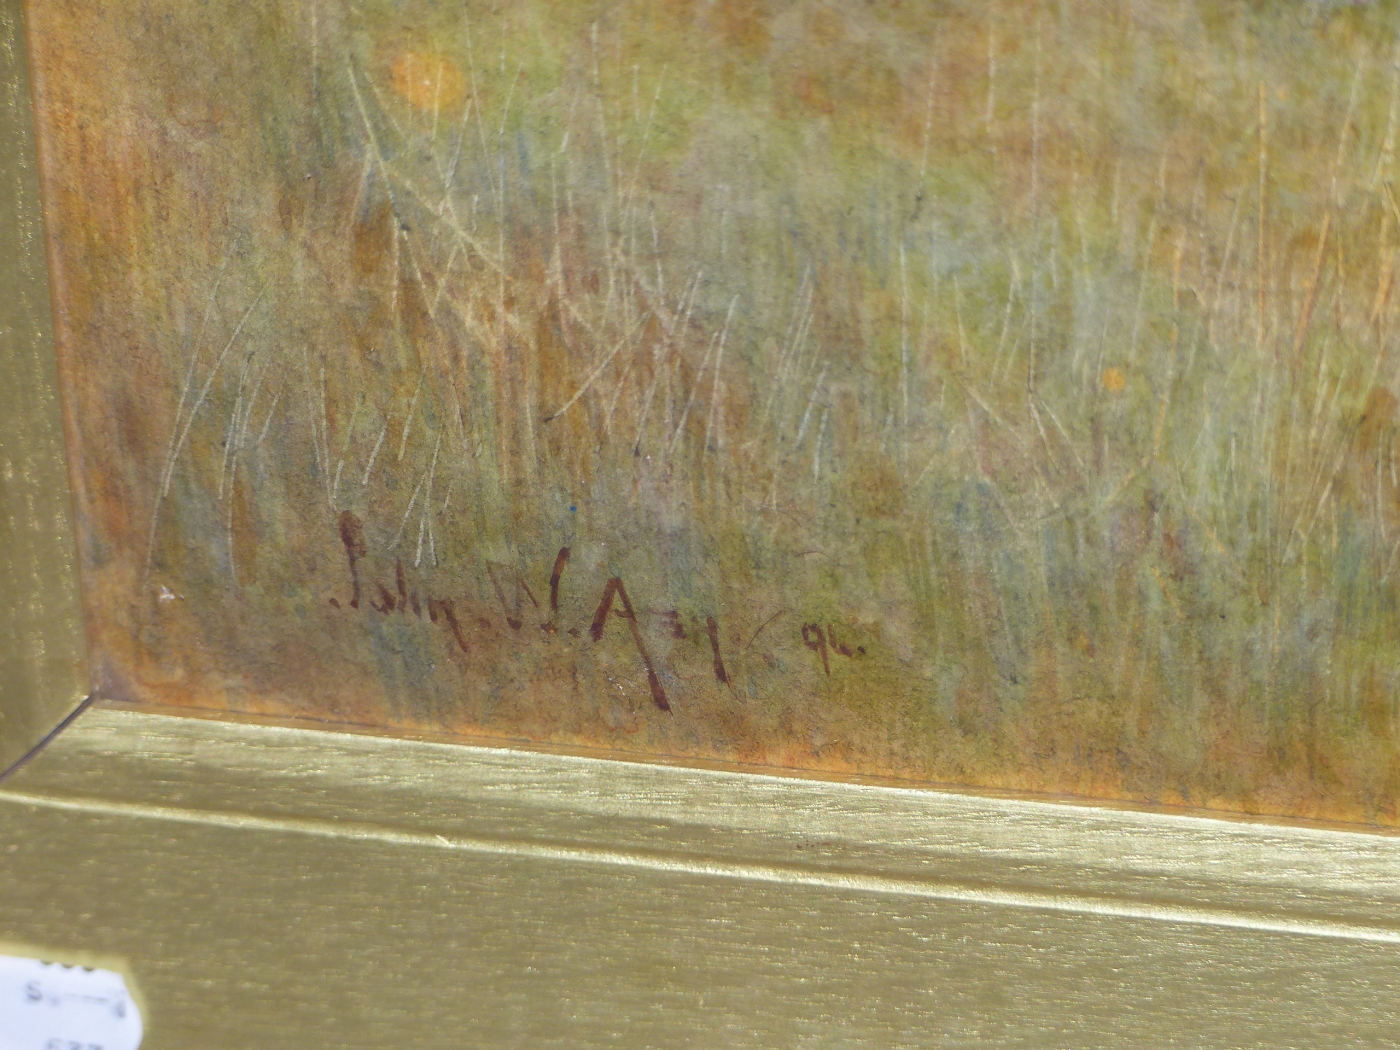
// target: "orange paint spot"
[[743, 25], [427, 81], [814, 95], [1114, 381]]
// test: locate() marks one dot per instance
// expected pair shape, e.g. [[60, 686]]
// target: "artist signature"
[[614, 603]]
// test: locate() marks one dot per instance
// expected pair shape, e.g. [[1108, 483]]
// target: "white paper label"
[[45, 1006]]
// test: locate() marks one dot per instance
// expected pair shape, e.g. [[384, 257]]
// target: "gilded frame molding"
[[262, 884], [43, 673]]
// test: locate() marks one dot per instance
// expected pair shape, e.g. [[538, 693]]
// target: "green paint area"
[[983, 394]]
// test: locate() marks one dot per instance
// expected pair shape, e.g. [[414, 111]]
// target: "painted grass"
[[1048, 353]]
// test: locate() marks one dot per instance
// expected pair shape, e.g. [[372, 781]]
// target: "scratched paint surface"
[[982, 393]]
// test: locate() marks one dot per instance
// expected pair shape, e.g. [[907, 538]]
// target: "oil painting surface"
[[991, 394]]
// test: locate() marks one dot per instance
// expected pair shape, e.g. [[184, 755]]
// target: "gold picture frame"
[[42, 673]]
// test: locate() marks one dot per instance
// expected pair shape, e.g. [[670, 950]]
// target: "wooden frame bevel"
[[261, 883], [43, 673]]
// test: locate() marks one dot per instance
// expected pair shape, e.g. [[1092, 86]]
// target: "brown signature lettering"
[[615, 602]]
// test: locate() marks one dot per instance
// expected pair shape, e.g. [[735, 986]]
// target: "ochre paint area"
[[991, 394]]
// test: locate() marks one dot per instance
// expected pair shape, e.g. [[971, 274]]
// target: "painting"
[[987, 394]]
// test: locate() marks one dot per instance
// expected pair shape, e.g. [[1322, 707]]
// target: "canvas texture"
[[998, 394]]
